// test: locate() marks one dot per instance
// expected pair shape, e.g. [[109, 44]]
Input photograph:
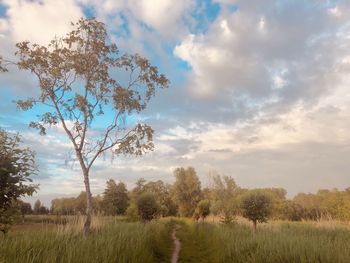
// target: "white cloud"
[[242, 50], [40, 21]]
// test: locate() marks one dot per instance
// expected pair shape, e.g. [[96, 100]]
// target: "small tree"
[[76, 84], [256, 206], [147, 206], [16, 167], [202, 210]]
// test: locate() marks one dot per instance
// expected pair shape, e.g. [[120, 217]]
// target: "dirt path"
[[177, 244]]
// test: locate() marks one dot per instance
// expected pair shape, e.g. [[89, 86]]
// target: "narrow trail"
[[177, 244]]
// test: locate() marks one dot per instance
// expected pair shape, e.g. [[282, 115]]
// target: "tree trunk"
[[87, 224]]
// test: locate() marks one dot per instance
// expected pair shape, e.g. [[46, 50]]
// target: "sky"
[[259, 90]]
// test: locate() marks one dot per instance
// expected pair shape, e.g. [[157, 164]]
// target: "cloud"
[[269, 53], [40, 21]]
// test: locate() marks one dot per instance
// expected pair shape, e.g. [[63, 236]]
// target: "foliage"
[[25, 208], [39, 208], [187, 190], [75, 205], [115, 198], [325, 203], [132, 212], [202, 210], [147, 206], [293, 211], [225, 195], [256, 206], [162, 193], [16, 167]]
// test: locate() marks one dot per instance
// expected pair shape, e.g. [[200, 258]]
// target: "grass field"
[[115, 240]]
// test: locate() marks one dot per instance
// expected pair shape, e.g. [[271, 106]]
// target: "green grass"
[[115, 240], [287, 242]]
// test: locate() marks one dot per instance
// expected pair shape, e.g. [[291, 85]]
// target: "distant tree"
[[293, 211], [25, 208], [256, 206], [187, 190], [138, 189], [202, 210], [122, 198], [115, 198], [43, 210], [97, 204], [76, 87], [80, 203], [36, 208], [162, 193], [64, 206], [16, 167], [225, 195], [40, 209], [278, 200], [147, 206]]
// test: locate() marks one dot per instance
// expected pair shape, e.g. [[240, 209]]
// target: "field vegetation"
[[115, 239]]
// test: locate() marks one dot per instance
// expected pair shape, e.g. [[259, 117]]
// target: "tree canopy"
[[256, 206]]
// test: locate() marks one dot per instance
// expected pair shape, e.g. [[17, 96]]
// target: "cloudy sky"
[[259, 89]]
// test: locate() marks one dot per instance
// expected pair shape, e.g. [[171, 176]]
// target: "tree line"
[[223, 198]]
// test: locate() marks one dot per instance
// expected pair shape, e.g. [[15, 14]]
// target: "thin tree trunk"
[[254, 224], [87, 224]]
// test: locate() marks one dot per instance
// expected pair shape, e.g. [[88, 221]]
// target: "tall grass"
[[111, 241], [115, 240], [286, 242]]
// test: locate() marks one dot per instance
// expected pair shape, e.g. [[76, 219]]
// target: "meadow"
[[114, 239]]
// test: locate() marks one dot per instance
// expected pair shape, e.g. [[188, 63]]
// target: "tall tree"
[[77, 87], [16, 167], [187, 190], [115, 198]]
